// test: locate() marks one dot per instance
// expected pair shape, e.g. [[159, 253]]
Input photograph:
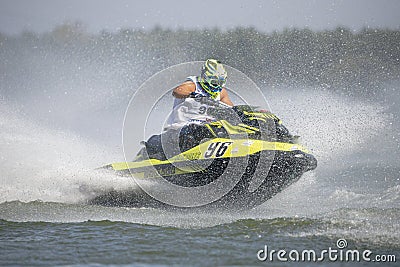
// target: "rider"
[[190, 112], [188, 109]]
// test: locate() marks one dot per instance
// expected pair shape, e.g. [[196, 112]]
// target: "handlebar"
[[208, 100]]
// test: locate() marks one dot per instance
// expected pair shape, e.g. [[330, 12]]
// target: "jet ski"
[[245, 143]]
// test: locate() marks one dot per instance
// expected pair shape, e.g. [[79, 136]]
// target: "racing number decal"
[[211, 149], [202, 110], [218, 148]]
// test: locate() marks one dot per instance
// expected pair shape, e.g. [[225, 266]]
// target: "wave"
[[40, 163], [369, 225]]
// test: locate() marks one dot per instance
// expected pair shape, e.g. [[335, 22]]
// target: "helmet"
[[213, 77]]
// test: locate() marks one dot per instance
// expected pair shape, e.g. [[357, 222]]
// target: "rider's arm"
[[184, 90], [225, 98]]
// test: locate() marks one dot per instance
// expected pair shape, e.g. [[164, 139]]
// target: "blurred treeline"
[[340, 59]]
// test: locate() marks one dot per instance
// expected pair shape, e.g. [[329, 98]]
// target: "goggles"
[[215, 83]]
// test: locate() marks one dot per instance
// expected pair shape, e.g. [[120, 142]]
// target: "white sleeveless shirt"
[[189, 110]]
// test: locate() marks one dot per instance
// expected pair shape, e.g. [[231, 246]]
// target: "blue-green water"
[[170, 238]]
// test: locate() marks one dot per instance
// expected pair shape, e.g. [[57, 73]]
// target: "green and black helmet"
[[213, 77]]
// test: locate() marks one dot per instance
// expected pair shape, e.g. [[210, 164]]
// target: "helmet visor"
[[216, 83]]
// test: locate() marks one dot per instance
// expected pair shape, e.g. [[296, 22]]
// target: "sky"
[[41, 16]]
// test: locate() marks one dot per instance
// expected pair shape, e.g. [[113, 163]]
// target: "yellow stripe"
[[235, 148], [210, 129], [233, 129]]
